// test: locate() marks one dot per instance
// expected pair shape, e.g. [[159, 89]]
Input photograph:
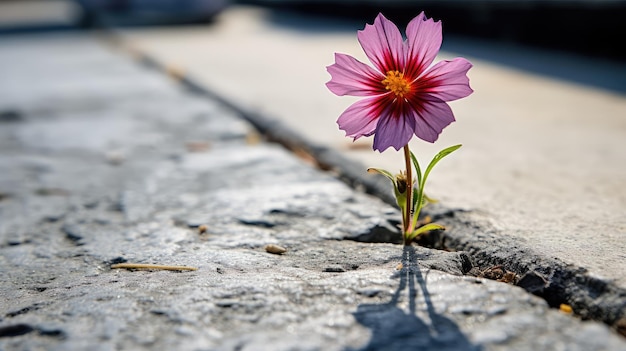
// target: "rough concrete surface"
[[103, 161], [549, 198], [542, 157]]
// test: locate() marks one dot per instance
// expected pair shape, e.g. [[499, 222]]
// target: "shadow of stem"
[[396, 329]]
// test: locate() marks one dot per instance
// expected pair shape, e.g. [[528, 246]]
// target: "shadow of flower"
[[396, 329]]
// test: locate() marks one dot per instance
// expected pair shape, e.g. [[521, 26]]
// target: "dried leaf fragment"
[[152, 266]]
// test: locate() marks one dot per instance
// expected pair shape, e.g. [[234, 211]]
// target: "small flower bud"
[[401, 182]]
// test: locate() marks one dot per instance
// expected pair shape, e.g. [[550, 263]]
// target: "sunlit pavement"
[[543, 159]]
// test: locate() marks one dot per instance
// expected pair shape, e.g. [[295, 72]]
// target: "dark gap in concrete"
[[15, 330], [115, 260], [11, 116], [257, 223], [379, 234], [72, 233], [549, 278], [22, 311], [53, 333]]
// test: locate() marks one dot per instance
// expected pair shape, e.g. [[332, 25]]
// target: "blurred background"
[[589, 27], [579, 28], [544, 133]]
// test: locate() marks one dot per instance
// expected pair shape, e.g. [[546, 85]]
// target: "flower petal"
[[349, 76], [423, 42], [447, 80], [383, 45], [395, 128], [431, 118], [361, 117]]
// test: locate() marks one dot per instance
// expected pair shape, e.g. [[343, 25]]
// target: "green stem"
[[418, 209], [409, 194], [418, 204]]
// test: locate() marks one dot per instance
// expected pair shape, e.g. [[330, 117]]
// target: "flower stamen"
[[396, 83]]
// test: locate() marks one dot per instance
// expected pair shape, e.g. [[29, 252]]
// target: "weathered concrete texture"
[[538, 226], [591, 297], [542, 158], [103, 162]]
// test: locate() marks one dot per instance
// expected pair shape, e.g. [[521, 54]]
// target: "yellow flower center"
[[396, 83]]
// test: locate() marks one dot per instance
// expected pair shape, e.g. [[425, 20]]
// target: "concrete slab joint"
[[104, 161]]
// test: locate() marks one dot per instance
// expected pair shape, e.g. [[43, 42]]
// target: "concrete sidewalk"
[[103, 161], [543, 159]]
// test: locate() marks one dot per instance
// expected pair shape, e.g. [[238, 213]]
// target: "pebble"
[[197, 146], [115, 157], [275, 249], [566, 308]]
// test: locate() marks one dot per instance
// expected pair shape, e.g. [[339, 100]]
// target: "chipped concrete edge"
[[590, 297]]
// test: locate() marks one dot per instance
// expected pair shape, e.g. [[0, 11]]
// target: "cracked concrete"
[[555, 179], [548, 201], [103, 161]]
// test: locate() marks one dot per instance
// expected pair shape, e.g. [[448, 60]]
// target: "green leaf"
[[418, 170], [423, 229], [383, 172], [400, 197], [428, 199], [443, 153]]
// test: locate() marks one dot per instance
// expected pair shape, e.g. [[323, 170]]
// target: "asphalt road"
[[543, 155]]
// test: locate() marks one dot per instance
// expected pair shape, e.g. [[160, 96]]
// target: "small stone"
[[532, 282], [197, 146], [275, 249], [115, 157], [253, 138], [566, 308], [202, 228]]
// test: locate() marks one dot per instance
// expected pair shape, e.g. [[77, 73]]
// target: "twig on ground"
[[152, 266]]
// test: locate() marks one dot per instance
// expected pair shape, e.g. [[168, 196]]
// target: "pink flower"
[[404, 96]]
